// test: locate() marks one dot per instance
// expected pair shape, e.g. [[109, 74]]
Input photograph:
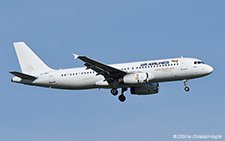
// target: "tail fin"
[[29, 61]]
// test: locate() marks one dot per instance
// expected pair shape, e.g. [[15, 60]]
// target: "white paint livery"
[[141, 77]]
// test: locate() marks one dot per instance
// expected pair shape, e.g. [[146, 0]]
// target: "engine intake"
[[148, 89]]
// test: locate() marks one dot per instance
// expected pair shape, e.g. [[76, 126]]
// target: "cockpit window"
[[198, 62]]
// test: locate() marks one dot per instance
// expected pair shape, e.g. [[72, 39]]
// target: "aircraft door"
[[183, 64], [52, 78]]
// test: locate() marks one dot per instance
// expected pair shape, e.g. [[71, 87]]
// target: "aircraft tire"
[[122, 98], [114, 91], [186, 89]]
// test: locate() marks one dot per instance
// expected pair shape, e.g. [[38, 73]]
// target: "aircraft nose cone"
[[210, 69]]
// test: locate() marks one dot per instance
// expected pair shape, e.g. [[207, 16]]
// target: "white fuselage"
[[82, 78]]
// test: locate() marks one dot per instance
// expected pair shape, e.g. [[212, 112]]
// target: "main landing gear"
[[121, 98], [114, 91], [186, 88]]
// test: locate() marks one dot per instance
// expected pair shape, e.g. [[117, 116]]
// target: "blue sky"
[[112, 32]]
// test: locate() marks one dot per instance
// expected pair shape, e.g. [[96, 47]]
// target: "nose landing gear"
[[186, 88]]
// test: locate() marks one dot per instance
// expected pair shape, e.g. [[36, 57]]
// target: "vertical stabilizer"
[[29, 61]]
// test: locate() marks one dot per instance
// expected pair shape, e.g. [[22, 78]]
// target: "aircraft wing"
[[107, 71]]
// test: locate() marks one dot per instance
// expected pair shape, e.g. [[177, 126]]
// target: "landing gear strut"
[[186, 88], [114, 91], [122, 98]]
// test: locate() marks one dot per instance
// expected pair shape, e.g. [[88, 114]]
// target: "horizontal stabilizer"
[[30, 63], [23, 76]]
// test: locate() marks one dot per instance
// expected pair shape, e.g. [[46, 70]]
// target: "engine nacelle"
[[148, 89], [137, 78]]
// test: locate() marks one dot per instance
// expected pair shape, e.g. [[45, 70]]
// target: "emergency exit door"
[[183, 64]]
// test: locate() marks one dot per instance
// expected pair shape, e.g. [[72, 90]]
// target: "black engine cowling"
[[148, 89]]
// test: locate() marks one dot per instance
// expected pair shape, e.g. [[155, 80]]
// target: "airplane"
[[142, 78]]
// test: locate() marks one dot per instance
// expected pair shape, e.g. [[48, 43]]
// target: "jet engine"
[[148, 89], [137, 78]]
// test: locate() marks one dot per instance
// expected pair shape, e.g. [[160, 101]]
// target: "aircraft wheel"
[[186, 89], [114, 91], [122, 98]]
